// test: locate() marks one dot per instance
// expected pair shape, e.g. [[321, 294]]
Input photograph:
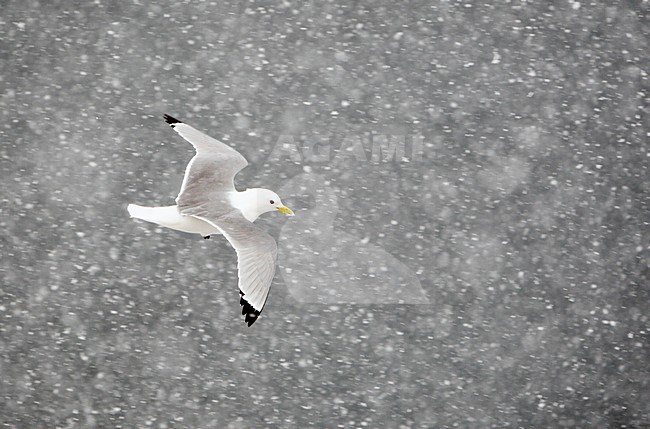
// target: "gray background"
[[526, 221]]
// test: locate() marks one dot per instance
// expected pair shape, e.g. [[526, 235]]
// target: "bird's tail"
[[160, 215], [170, 217]]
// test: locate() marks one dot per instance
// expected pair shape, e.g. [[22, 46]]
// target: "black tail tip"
[[171, 120]]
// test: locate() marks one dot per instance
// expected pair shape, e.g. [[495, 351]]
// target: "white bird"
[[208, 203]]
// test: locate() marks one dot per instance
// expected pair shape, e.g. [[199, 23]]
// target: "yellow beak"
[[286, 210]]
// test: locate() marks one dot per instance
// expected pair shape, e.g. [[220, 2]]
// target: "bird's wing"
[[256, 255], [212, 169]]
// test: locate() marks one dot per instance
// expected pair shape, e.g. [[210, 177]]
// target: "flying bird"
[[208, 204]]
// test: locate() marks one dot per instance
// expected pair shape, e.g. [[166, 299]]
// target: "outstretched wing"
[[212, 169], [256, 255]]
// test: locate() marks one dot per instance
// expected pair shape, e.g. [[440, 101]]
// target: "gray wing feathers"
[[256, 273], [213, 168], [205, 144], [256, 255], [205, 178]]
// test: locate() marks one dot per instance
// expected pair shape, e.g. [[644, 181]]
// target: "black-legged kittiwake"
[[208, 203]]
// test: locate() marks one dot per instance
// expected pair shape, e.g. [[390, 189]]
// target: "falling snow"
[[514, 228]]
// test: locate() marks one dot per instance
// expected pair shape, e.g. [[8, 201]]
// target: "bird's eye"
[[272, 202]]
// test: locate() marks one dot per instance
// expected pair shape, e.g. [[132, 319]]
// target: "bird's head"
[[268, 201]]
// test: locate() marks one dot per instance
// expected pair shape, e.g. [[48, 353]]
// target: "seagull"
[[208, 204]]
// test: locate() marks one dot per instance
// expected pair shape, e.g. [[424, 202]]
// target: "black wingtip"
[[171, 120], [248, 310]]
